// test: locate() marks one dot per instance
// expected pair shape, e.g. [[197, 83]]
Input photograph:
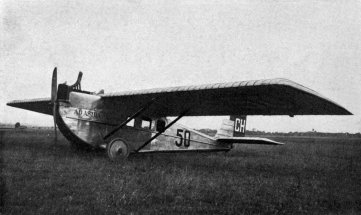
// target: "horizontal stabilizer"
[[183, 150], [248, 140], [42, 105]]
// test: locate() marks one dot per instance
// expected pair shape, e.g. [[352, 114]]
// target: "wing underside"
[[262, 97], [42, 105]]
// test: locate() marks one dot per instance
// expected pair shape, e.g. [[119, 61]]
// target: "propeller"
[[54, 89]]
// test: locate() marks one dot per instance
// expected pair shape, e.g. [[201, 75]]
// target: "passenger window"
[[130, 123], [160, 125], [146, 123]]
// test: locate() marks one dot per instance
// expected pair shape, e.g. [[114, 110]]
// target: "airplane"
[[131, 122]]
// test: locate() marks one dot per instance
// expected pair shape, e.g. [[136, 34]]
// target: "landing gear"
[[117, 149]]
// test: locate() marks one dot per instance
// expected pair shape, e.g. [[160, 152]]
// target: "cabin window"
[[146, 123], [130, 123], [160, 125]]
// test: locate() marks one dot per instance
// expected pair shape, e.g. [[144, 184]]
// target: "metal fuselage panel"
[[85, 116]]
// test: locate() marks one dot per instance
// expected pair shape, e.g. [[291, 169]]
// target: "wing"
[[42, 105], [249, 140], [262, 97]]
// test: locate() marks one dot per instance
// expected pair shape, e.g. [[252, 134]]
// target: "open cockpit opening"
[[64, 89]]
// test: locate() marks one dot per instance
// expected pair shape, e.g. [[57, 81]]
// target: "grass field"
[[307, 175]]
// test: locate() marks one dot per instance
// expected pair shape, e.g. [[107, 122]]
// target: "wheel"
[[117, 150]]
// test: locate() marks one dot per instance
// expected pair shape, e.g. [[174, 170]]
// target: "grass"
[[307, 175]]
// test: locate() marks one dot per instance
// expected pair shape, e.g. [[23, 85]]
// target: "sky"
[[128, 45]]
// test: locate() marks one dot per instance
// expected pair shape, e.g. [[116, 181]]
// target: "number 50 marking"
[[185, 138]]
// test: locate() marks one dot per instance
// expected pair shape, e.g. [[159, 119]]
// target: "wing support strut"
[[161, 132], [141, 110]]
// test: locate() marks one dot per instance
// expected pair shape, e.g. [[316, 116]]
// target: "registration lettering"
[[239, 125], [90, 114]]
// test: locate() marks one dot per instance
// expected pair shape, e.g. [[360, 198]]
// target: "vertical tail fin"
[[235, 126]]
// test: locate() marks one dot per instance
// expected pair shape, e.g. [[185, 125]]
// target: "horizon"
[[2, 125]]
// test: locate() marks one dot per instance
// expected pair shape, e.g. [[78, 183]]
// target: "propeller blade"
[[54, 116], [54, 89], [54, 86]]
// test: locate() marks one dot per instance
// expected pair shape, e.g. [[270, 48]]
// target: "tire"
[[117, 150]]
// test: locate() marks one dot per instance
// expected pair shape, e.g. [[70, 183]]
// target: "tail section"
[[235, 126], [233, 130]]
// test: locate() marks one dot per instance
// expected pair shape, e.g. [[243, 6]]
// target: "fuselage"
[[84, 119]]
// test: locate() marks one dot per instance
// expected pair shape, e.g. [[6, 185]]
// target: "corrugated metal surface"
[[40, 105], [256, 97], [28, 101], [239, 84]]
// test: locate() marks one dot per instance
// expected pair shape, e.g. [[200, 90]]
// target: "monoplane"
[[139, 121]]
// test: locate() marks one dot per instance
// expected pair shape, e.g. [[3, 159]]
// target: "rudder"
[[235, 126]]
